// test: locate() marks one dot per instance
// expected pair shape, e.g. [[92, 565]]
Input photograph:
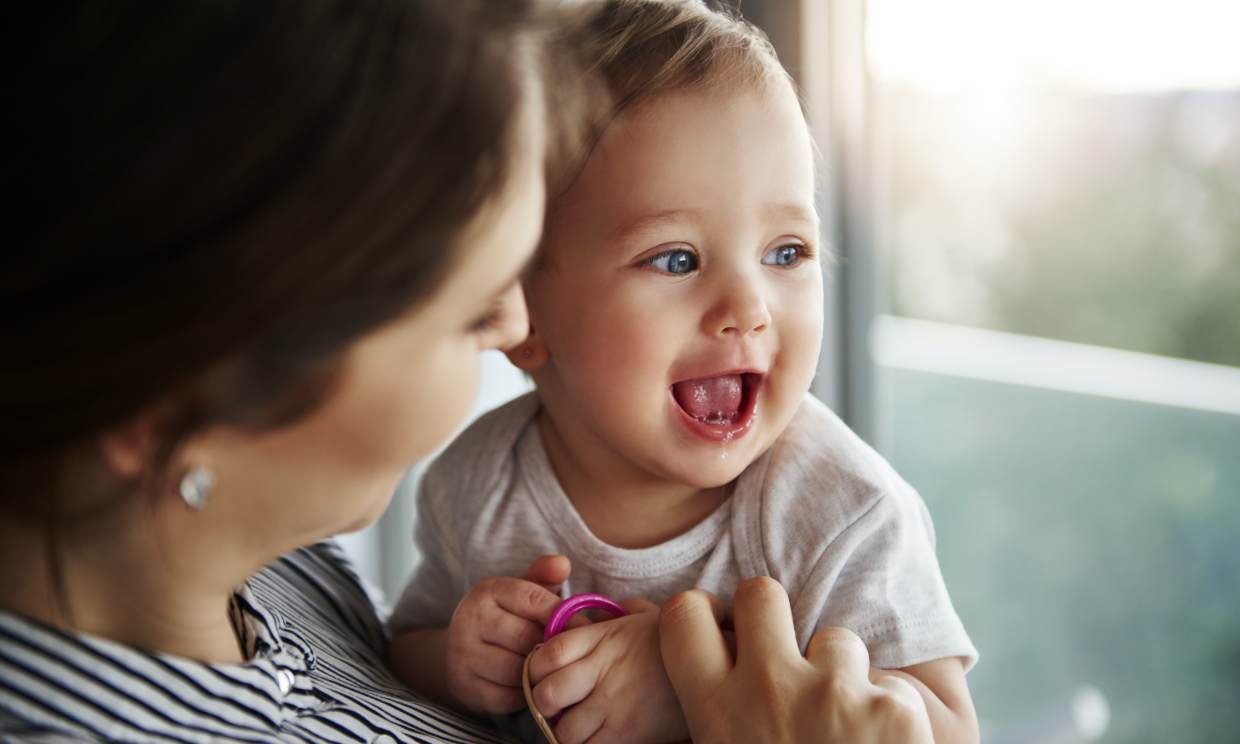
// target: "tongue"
[[710, 397]]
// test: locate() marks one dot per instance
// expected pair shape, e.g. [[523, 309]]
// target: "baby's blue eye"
[[784, 255], [674, 262]]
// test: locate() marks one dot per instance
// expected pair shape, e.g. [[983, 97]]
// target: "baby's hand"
[[611, 673], [493, 629]]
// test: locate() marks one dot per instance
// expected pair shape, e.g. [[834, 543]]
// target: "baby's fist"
[[492, 630]]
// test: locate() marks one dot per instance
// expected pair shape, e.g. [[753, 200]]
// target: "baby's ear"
[[530, 354]]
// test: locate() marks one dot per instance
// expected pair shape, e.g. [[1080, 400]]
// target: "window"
[[1054, 231]]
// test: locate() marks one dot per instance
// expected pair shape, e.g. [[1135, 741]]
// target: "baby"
[[676, 318]]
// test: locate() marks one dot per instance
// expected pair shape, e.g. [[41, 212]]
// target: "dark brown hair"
[[211, 199]]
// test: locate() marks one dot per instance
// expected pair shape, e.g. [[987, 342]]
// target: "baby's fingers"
[[524, 599], [549, 571], [489, 697], [497, 665], [510, 632]]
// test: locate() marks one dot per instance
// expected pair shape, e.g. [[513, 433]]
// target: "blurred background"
[[1036, 318]]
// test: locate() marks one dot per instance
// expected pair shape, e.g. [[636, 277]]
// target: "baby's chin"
[[706, 471]]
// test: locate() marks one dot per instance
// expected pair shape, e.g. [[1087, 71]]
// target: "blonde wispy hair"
[[640, 48]]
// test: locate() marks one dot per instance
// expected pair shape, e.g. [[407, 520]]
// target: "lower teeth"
[[718, 417]]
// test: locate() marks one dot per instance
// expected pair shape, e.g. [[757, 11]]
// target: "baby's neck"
[[625, 507]]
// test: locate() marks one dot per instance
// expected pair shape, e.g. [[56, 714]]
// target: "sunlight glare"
[[1086, 45]]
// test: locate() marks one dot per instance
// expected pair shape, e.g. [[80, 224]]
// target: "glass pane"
[[1051, 172], [1063, 169], [1090, 546]]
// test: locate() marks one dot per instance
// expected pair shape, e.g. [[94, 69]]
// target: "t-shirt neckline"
[[538, 477]]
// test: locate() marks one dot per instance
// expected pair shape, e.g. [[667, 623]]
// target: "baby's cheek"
[[801, 340], [617, 345]]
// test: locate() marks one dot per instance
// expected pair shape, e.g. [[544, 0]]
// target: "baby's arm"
[[942, 686], [474, 663], [880, 574]]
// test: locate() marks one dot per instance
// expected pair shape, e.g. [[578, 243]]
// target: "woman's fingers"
[[695, 654], [566, 648], [762, 619], [564, 687], [773, 694], [909, 699], [840, 653], [893, 709]]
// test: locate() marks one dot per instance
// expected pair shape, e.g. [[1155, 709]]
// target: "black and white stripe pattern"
[[318, 676]]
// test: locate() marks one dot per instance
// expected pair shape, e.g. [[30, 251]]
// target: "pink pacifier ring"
[[579, 603]]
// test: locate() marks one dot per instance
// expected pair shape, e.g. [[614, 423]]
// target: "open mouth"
[[719, 407]]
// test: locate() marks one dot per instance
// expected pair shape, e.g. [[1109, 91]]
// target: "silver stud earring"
[[196, 487]]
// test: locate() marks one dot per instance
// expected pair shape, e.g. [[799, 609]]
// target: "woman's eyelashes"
[[488, 322]]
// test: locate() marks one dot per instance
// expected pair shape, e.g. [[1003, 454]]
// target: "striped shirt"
[[317, 675]]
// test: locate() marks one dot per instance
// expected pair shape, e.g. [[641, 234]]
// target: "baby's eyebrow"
[[645, 222], [792, 211], [773, 211]]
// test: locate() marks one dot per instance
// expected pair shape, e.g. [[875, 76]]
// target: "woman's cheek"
[[423, 397], [439, 398]]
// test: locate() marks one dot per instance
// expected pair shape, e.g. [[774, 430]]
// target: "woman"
[[259, 246]]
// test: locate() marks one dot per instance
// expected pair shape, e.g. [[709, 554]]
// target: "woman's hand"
[[611, 673], [765, 690]]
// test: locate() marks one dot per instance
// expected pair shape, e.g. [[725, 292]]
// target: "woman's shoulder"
[[14, 729], [317, 587], [324, 627], [324, 563], [320, 568], [40, 736]]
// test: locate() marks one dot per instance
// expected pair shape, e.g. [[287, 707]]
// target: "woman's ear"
[[530, 354], [127, 447]]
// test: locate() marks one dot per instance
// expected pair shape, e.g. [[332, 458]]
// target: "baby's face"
[[680, 300]]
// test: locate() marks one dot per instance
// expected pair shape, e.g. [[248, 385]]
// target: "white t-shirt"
[[820, 512]]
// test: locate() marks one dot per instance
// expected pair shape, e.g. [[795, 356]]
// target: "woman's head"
[[232, 212]]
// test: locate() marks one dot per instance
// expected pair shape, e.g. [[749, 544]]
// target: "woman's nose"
[[514, 319]]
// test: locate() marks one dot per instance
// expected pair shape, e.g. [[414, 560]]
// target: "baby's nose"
[[742, 311]]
